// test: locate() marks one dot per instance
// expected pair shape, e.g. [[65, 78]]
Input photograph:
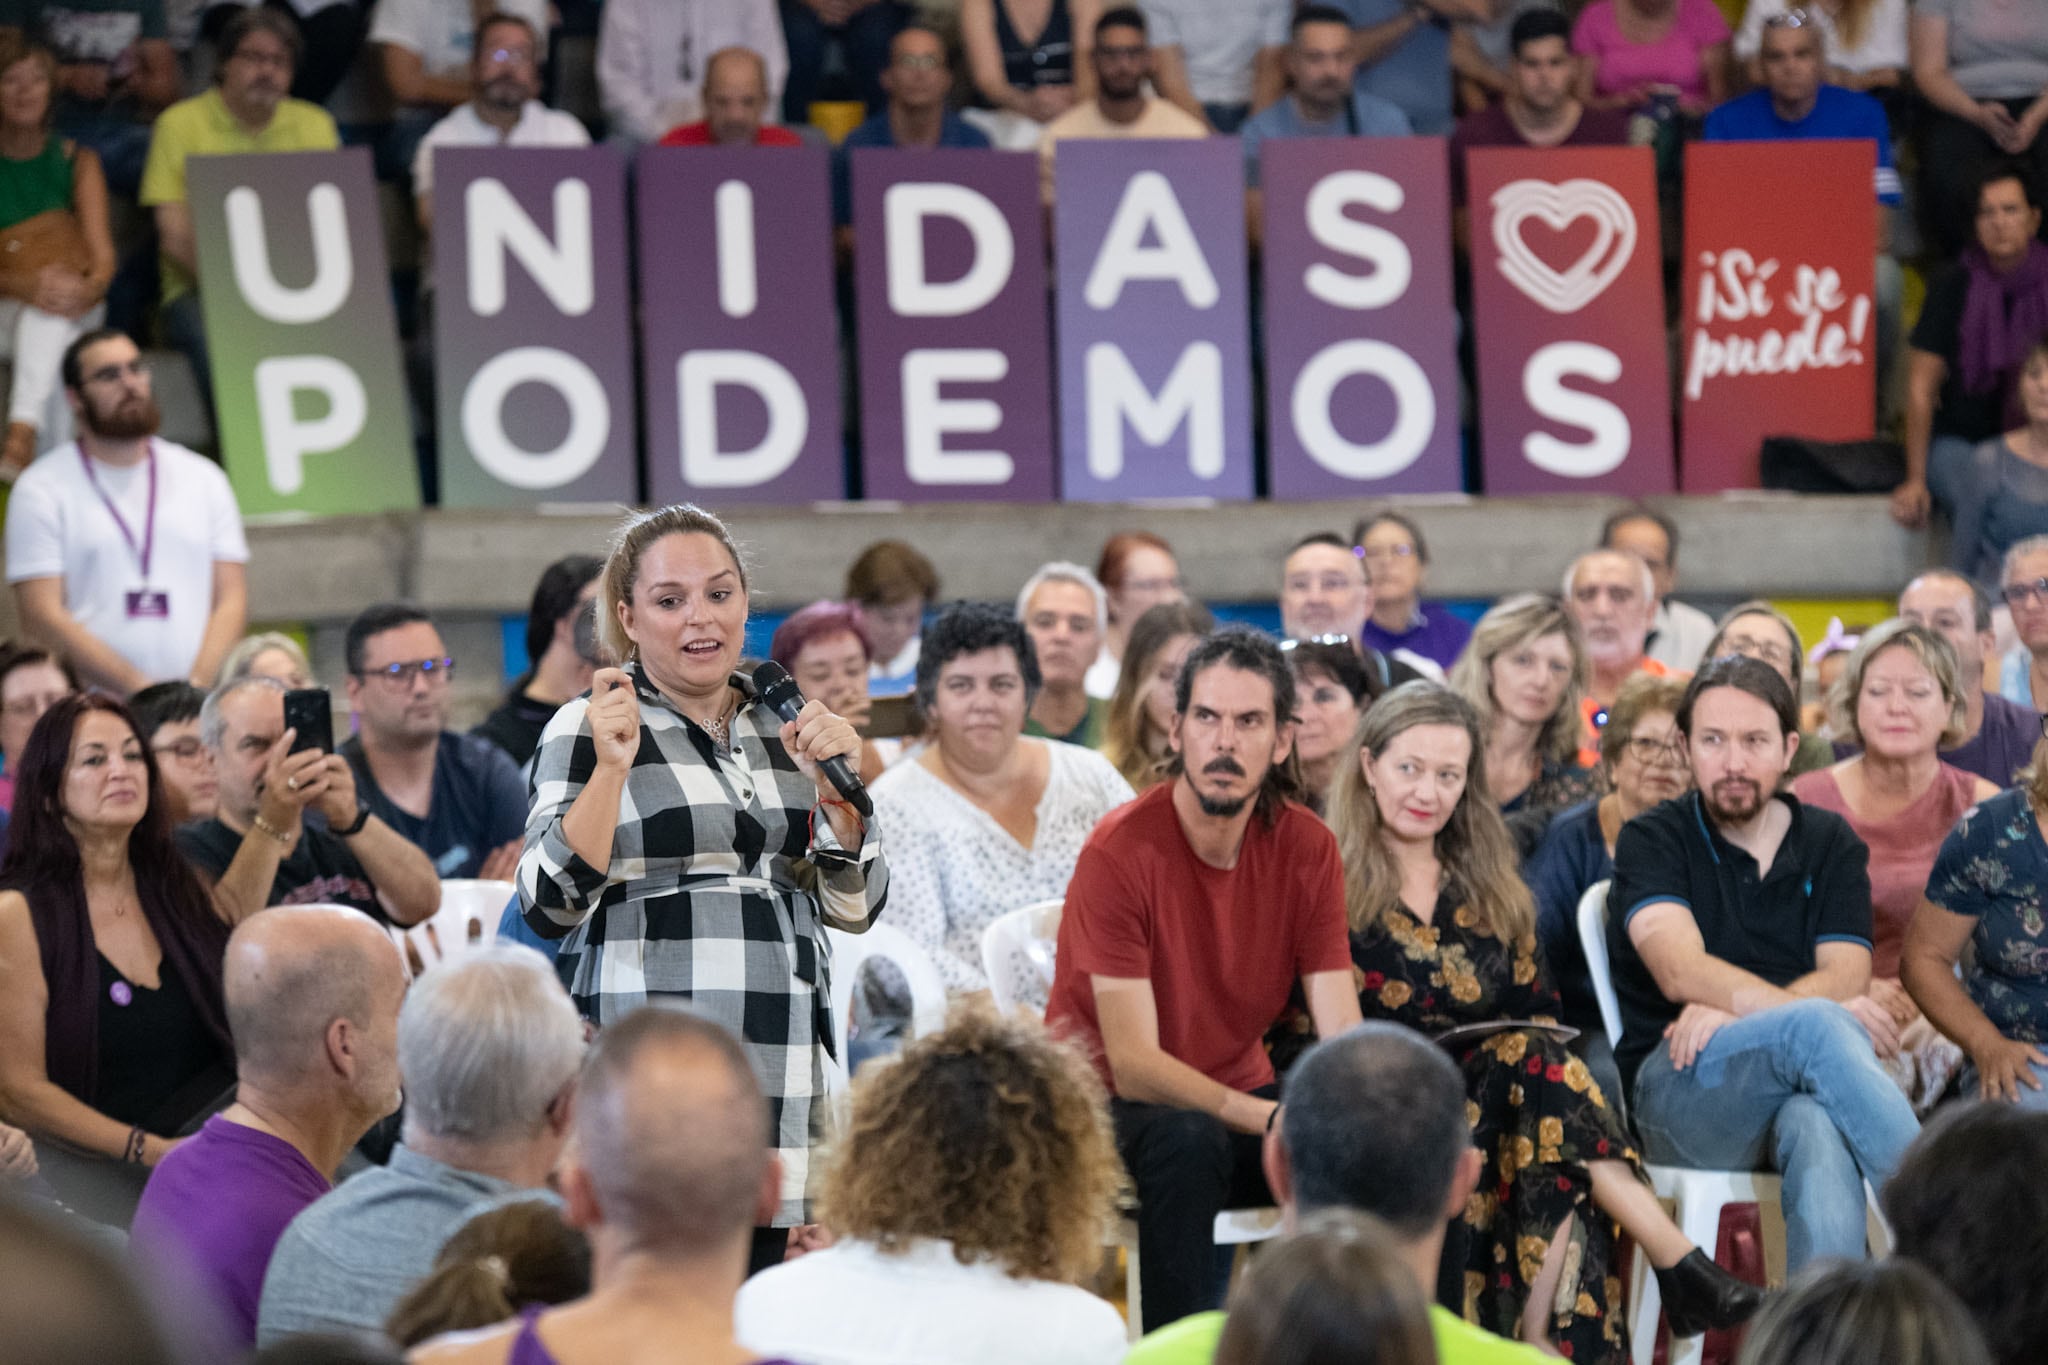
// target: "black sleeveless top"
[[1049, 61], [152, 1046]]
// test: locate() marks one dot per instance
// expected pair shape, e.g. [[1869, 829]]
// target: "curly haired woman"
[[969, 1192]]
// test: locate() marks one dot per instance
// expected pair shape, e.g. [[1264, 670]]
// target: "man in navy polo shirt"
[[1739, 935], [917, 80], [1794, 102]]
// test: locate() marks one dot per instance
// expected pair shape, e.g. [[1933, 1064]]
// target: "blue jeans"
[[1796, 1089]]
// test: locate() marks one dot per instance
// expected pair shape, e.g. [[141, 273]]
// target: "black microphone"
[[774, 686]]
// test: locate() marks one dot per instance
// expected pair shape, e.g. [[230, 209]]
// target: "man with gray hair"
[[488, 1047], [1066, 614], [262, 848], [668, 1172], [312, 998], [1613, 597]]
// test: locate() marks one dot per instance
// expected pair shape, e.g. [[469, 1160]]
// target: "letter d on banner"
[[313, 409]]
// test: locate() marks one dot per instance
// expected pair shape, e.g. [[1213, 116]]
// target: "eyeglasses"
[[1767, 650], [920, 61], [402, 675], [502, 55], [114, 374], [1388, 554], [184, 750], [2024, 594], [32, 708], [1124, 54], [1339, 641], [1643, 749], [1791, 18], [1151, 585]]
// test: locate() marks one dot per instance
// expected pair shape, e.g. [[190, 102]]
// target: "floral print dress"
[[1536, 1114], [1993, 867]]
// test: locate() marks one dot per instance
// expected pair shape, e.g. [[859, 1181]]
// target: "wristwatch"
[[362, 818]]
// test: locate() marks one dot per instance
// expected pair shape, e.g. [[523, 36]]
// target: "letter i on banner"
[[1155, 355], [1361, 334], [533, 344], [739, 335], [1568, 307], [949, 284], [296, 296]]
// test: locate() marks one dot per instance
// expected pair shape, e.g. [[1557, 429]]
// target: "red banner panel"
[[1568, 307], [1779, 323]]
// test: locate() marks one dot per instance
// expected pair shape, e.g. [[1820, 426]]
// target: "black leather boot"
[[1699, 1296]]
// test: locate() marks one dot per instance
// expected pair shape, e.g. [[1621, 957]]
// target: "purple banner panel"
[[738, 331], [1361, 334], [949, 282], [533, 327], [1155, 358]]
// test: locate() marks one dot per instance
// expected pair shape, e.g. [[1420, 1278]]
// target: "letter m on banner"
[[296, 295]]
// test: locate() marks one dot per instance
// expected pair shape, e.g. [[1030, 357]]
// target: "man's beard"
[[1735, 814], [127, 421], [505, 95], [1221, 808]]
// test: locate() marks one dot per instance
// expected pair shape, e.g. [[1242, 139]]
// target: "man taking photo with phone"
[[260, 849]]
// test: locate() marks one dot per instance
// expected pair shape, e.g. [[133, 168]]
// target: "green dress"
[[36, 184]]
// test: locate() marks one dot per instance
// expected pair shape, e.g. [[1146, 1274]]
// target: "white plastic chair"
[[849, 952], [1696, 1196], [468, 918], [1017, 953]]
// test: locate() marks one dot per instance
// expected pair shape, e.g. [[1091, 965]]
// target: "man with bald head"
[[1612, 596], [669, 1172], [312, 997], [735, 106]]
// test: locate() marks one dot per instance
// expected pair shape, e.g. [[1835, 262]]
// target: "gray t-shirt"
[[1219, 40], [1997, 49], [1492, 39]]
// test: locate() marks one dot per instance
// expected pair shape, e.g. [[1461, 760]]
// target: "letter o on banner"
[[1414, 409], [483, 407]]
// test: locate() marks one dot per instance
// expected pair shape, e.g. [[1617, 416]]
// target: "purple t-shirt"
[[214, 1209], [1674, 60], [1438, 636]]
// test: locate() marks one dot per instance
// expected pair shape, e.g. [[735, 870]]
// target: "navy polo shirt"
[[1768, 923]]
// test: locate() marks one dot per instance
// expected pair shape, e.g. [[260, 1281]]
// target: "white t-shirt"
[[538, 126], [1220, 40], [443, 32], [855, 1304], [59, 526], [1101, 678]]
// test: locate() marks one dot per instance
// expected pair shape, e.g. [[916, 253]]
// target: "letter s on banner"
[[1393, 267], [287, 440], [1543, 388], [333, 265], [912, 294], [564, 268]]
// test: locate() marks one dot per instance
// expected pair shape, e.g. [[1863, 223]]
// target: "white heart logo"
[[1558, 206]]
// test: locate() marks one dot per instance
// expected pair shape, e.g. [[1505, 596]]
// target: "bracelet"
[[362, 818], [1272, 1117], [264, 826], [826, 801], [132, 1154]]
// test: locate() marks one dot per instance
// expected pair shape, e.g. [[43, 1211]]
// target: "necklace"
[[716, 727]]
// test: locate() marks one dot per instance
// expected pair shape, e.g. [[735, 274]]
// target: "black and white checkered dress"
[[715, 892]]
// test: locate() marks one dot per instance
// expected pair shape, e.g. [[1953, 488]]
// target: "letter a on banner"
[[956, 385], [1361, 335], [533, 345], [740, 340], [1568, 306], [1779, 316], [306, 381], [1155, 355]]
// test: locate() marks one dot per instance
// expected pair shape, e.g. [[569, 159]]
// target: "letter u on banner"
[[739, 336], [533, 345], [1155, 355], [1568, 306], [312, 406], [1361, 335]]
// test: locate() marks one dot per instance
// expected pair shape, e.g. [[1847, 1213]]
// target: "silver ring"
[[291, 784]]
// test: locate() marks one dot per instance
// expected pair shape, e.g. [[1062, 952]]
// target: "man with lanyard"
[[1322, 101], [126, 551]]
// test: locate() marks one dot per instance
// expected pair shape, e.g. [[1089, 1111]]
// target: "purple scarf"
[[2003, 316]]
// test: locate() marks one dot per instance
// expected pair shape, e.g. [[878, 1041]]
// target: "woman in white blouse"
[[984, 820]]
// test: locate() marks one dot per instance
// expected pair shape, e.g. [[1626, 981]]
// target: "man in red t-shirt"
[[1192, 912], [735, 103]]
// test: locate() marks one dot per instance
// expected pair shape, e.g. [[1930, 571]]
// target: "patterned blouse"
[[1993, 867], [717, 892]]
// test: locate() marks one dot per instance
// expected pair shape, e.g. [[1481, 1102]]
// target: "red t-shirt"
[[1222, 949], [698, 134]]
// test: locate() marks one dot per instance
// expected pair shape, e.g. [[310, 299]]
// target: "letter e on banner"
[[1361, 334], [1568, 307], [312, 406]]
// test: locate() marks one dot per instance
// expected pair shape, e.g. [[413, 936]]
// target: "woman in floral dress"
[[1444, 936]]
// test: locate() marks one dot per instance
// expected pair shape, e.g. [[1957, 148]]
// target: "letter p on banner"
[[312, 408]]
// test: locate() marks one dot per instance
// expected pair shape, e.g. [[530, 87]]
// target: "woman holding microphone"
[[685, 842]]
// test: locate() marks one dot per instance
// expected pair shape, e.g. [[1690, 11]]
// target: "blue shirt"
[[953, 132], [1416, 73], [1836, 113], [1570, 859], [478, 802], [1368, 116]]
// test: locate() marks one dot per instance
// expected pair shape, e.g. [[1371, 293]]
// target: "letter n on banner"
[[1361, 333], [1779, 315], [738, 331], [533, 344], [1568, 306], [1155, 357], [955, 381], [297, 299]]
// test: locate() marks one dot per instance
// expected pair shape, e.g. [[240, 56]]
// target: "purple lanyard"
[[143, 551]]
